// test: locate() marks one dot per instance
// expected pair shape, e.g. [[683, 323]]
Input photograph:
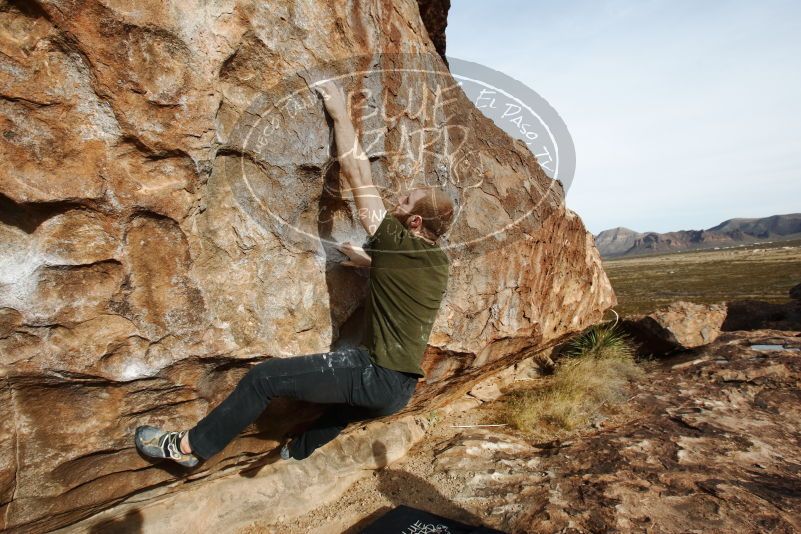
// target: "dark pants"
[[348, 379]]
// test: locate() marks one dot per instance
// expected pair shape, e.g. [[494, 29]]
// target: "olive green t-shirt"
[[408, 279]]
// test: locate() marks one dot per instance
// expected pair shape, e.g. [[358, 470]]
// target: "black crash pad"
[[407, 520]]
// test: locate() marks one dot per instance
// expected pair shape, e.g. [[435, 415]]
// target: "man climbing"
[[408, 279]]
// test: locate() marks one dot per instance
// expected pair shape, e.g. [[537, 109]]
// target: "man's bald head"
[[432, 205]]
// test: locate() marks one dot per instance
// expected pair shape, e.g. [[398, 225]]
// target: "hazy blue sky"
[[684, 113]]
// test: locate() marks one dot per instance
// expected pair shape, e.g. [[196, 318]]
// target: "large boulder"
[[795, 292], [164, 225], [677, 326], [749, 314]]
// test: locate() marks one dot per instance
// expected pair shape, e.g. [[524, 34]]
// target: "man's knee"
[[258, 378]]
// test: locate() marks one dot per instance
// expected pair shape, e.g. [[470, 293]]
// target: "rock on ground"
[[679, 325], [685, 325], [795, 292], [751, 314]]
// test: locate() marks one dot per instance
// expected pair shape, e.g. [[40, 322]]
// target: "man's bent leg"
[[391, 390], [325, 428], [332, 377]]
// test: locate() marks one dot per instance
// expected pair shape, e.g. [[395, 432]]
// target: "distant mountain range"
[[618, 242]]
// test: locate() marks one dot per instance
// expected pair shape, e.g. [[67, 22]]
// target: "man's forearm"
[[349, 151], [353, 161]]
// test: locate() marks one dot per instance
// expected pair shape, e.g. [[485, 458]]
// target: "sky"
[[683, 113]]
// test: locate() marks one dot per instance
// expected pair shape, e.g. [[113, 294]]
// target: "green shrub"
[[596, 369]]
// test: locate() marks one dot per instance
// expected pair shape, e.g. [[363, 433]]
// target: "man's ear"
[[415, 221]]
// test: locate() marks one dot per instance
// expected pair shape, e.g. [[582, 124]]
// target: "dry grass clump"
[[596, 371]]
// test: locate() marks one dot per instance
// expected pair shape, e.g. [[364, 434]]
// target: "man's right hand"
[[357, 257]]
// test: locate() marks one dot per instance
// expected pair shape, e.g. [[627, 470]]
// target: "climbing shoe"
[[156, 443], [288, 451], [285, 452]]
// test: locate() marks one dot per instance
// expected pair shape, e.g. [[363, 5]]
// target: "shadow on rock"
[[343, 283], [401, 487], [130, 524]]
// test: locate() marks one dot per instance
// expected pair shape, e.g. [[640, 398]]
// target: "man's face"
[[406, 204]]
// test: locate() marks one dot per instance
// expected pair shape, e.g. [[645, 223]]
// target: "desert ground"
[[762, 271]]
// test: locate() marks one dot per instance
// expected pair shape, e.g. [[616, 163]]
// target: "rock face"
[[164, 224], [680, 325], [709, 443], [435, 17]]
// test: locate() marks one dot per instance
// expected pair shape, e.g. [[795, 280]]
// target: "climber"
[[408, 279]]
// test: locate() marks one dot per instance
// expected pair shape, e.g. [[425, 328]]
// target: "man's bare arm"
[[353, 161]]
